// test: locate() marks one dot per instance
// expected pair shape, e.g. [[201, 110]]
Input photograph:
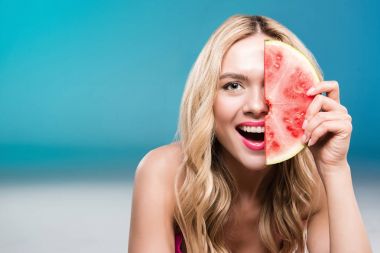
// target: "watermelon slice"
[[288, 74]]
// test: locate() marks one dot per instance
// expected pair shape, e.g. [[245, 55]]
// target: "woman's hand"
[[327, 128]]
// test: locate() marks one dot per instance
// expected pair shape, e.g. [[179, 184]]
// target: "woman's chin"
[[255, 164]]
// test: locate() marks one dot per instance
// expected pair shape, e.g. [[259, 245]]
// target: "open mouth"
[[258, 137]]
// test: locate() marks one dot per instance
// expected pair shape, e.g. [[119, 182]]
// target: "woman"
[[207, 192]]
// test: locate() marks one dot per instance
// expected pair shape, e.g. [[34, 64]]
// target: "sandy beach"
[[93, 217]]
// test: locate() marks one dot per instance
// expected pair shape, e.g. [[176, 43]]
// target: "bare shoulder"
[[160, 166], [153, 200], [161, 161]]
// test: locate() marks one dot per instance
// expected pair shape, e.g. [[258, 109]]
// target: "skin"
[[241, 100], [335, 226]]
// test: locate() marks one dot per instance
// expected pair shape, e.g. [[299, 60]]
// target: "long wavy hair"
[[205, 197]]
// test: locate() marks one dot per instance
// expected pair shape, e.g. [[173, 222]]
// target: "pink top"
[[178, 242]]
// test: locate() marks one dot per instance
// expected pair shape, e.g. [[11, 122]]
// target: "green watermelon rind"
[[298, 147]]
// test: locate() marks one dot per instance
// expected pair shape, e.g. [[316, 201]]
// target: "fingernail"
[[304, 124], [304, 138], [310, 91], [311, 142]]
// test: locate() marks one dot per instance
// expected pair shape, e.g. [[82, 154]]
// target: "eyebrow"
[[234, 76]]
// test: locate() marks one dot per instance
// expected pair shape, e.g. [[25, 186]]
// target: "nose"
[[255, 104]]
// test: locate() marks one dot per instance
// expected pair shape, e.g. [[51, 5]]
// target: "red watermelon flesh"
[[288, 74]]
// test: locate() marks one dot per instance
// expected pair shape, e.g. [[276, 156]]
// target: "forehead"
[[246, 55]]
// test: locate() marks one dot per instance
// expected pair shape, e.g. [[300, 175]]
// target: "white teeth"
[[252, 129]]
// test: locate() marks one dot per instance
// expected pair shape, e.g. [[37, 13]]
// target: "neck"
[[251, 183]]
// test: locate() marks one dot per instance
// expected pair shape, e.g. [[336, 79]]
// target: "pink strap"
[[178, 242]]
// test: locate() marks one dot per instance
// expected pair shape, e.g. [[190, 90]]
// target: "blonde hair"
[[203, 201]]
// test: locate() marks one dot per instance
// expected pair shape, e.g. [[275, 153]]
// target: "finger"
[[330, 87], [322, 103], [342, 127], [315, 121]]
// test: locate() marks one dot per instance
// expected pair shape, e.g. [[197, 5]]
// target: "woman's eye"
[[231, 86]]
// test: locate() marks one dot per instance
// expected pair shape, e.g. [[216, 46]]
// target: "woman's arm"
[[347, 230], [337, 226], [151, 228], [328, 130]]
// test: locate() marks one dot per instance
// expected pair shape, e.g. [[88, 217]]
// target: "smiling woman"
[[212, 191]]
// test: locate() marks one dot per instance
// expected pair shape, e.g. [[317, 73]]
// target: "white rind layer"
[[298, 147]]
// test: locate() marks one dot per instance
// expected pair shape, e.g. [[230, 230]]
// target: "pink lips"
[[253, 145]]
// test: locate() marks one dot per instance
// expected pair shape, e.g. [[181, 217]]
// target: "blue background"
[[88, 87]]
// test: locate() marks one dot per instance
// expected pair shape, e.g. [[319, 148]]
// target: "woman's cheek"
[[226, 107]]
